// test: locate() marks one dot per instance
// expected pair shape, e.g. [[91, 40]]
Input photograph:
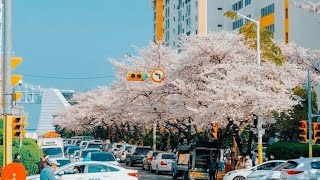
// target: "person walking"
[[240, 163], [17, 158], [48, 172]]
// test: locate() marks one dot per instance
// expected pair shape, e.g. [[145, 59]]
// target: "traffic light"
[[15, 78], [316, 133], [137, 76], [18, 126], [303, 131], [215, 127]]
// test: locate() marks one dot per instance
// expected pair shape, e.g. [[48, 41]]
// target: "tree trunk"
[[234, 153]]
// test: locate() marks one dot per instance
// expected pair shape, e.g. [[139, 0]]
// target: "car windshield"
[[94, 145], [143, 151], [128, 147], [167, 156], [154, 154], [63, 162], [84, 153], [73, 149], [289, 165], [102, 157], [54, 151], [119, 146]]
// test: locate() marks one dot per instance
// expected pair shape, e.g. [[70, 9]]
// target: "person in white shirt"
[[248, 163]]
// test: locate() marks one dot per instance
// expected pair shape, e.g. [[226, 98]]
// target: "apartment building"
[[288, 23]]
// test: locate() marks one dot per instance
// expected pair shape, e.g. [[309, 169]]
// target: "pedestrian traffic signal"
[[214, 133], [316, 133], [303, 131], [137, 76], [18, 126]]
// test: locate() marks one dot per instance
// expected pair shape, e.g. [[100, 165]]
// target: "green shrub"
[[30, 154], [291, 150]]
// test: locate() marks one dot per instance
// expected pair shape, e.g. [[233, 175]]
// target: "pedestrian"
[[43, 163], [48, 172], [248, 162], [240, 163], [17, 158]]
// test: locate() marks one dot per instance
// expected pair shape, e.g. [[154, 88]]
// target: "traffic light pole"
[[6, 79], [310, 114]]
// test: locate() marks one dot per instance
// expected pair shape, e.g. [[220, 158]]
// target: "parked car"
[[122, 153], [146, 161], [273, 174], [70, 150], [242, 174], [302, 168], [92, 144], [101, 156], [136, 154], [106, 147], [92, 170], [79, 155], [62, 161], [162, 163], [115, 147], [83, 144]]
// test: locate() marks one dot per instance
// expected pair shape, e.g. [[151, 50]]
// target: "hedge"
[[291, 150], [30, 154]]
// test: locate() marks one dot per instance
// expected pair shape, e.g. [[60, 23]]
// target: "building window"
[[179, 29], [287, 13], [188, 33], [188, 21], [237, 24], [247, 2], [187, 1], [188, 12], [267, 10], [287, 37], [220, 9], [219, 25], [196, 3], [238, 5], [247, 20], [196, 18], [196, 31], [270, 28]]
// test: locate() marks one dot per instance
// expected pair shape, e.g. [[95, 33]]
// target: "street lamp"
[[258, 37], [259, 126]]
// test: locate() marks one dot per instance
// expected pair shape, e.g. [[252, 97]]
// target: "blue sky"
[[73, 38]]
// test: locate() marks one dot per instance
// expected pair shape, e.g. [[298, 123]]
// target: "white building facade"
[[288, 23]]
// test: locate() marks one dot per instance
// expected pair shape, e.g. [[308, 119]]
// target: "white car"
[[302, 168], [80, 155], [273, 174], [92, 170], [162, 163], [101, 156], [242, 174], [122, 153], [62, 161]]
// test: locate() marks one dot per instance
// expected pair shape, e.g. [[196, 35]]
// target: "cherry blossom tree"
[[312, 7]]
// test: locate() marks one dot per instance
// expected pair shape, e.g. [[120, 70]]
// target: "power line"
[[60, 77]]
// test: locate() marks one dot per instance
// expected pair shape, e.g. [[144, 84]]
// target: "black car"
[[136, 154]]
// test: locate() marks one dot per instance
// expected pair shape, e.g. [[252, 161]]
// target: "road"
[[147, 175]]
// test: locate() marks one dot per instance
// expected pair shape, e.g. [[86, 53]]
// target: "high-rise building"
[[288, 23]]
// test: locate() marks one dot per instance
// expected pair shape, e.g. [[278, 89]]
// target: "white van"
[[53, 147]]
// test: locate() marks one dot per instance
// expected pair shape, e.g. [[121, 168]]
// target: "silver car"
[[162, 163], [302, 168]]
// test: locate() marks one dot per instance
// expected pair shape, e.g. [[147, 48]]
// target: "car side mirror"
[[118, 159]]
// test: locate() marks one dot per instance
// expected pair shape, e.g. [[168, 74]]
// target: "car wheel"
[[185, 176], [239, 178], [131, 162], [174, 175], [157, 170]]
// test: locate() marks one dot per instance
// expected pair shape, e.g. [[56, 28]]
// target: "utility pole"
[[6, 80], [309, 114]]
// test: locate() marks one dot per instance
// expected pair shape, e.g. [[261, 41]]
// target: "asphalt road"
[[147, 175]]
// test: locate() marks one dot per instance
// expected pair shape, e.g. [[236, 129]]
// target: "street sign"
[[158, 75]]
